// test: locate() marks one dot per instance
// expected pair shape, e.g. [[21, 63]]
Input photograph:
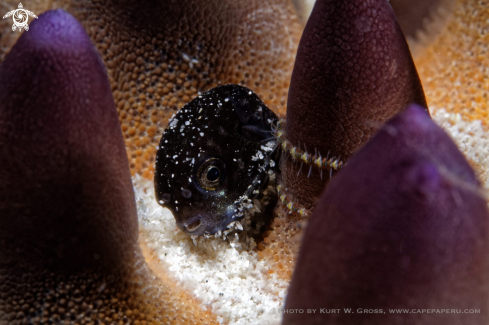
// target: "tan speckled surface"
[[454, 70]]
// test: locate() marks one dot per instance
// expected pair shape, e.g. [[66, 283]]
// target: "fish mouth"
[[202, 224], [193, 226]]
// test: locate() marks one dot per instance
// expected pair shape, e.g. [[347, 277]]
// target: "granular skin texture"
[[131, 295], [281, 243], [453, 70], [353, 72], [457, 52], [159, 56]]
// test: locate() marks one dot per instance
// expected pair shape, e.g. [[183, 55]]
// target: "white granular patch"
[[233, 282], [471, 139], [230, 281]]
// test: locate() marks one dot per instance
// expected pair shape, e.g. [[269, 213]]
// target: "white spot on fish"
[[259, 155], [173, 123], [266, 149]]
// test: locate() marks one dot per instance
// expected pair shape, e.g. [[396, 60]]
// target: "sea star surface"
[[154, 69]]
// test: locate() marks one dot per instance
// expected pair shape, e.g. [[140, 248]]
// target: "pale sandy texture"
[[471, 137], [250, 293], [258, 50], [454, 72], [234, 283]]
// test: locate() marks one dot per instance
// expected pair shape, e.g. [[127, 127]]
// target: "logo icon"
[[20, 17]]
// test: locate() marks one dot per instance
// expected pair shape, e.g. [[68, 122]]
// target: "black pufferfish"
[[215, 159]]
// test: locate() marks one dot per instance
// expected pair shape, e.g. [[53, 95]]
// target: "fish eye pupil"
[[213, 174]]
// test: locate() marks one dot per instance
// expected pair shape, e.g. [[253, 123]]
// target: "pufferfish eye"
[[211, 174]]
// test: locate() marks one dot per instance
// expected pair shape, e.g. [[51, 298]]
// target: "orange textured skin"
[[432, 67], [160, 55], [454, 68], [249, 48]]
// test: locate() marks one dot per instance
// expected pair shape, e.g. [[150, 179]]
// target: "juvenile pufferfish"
[[215, 160]]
